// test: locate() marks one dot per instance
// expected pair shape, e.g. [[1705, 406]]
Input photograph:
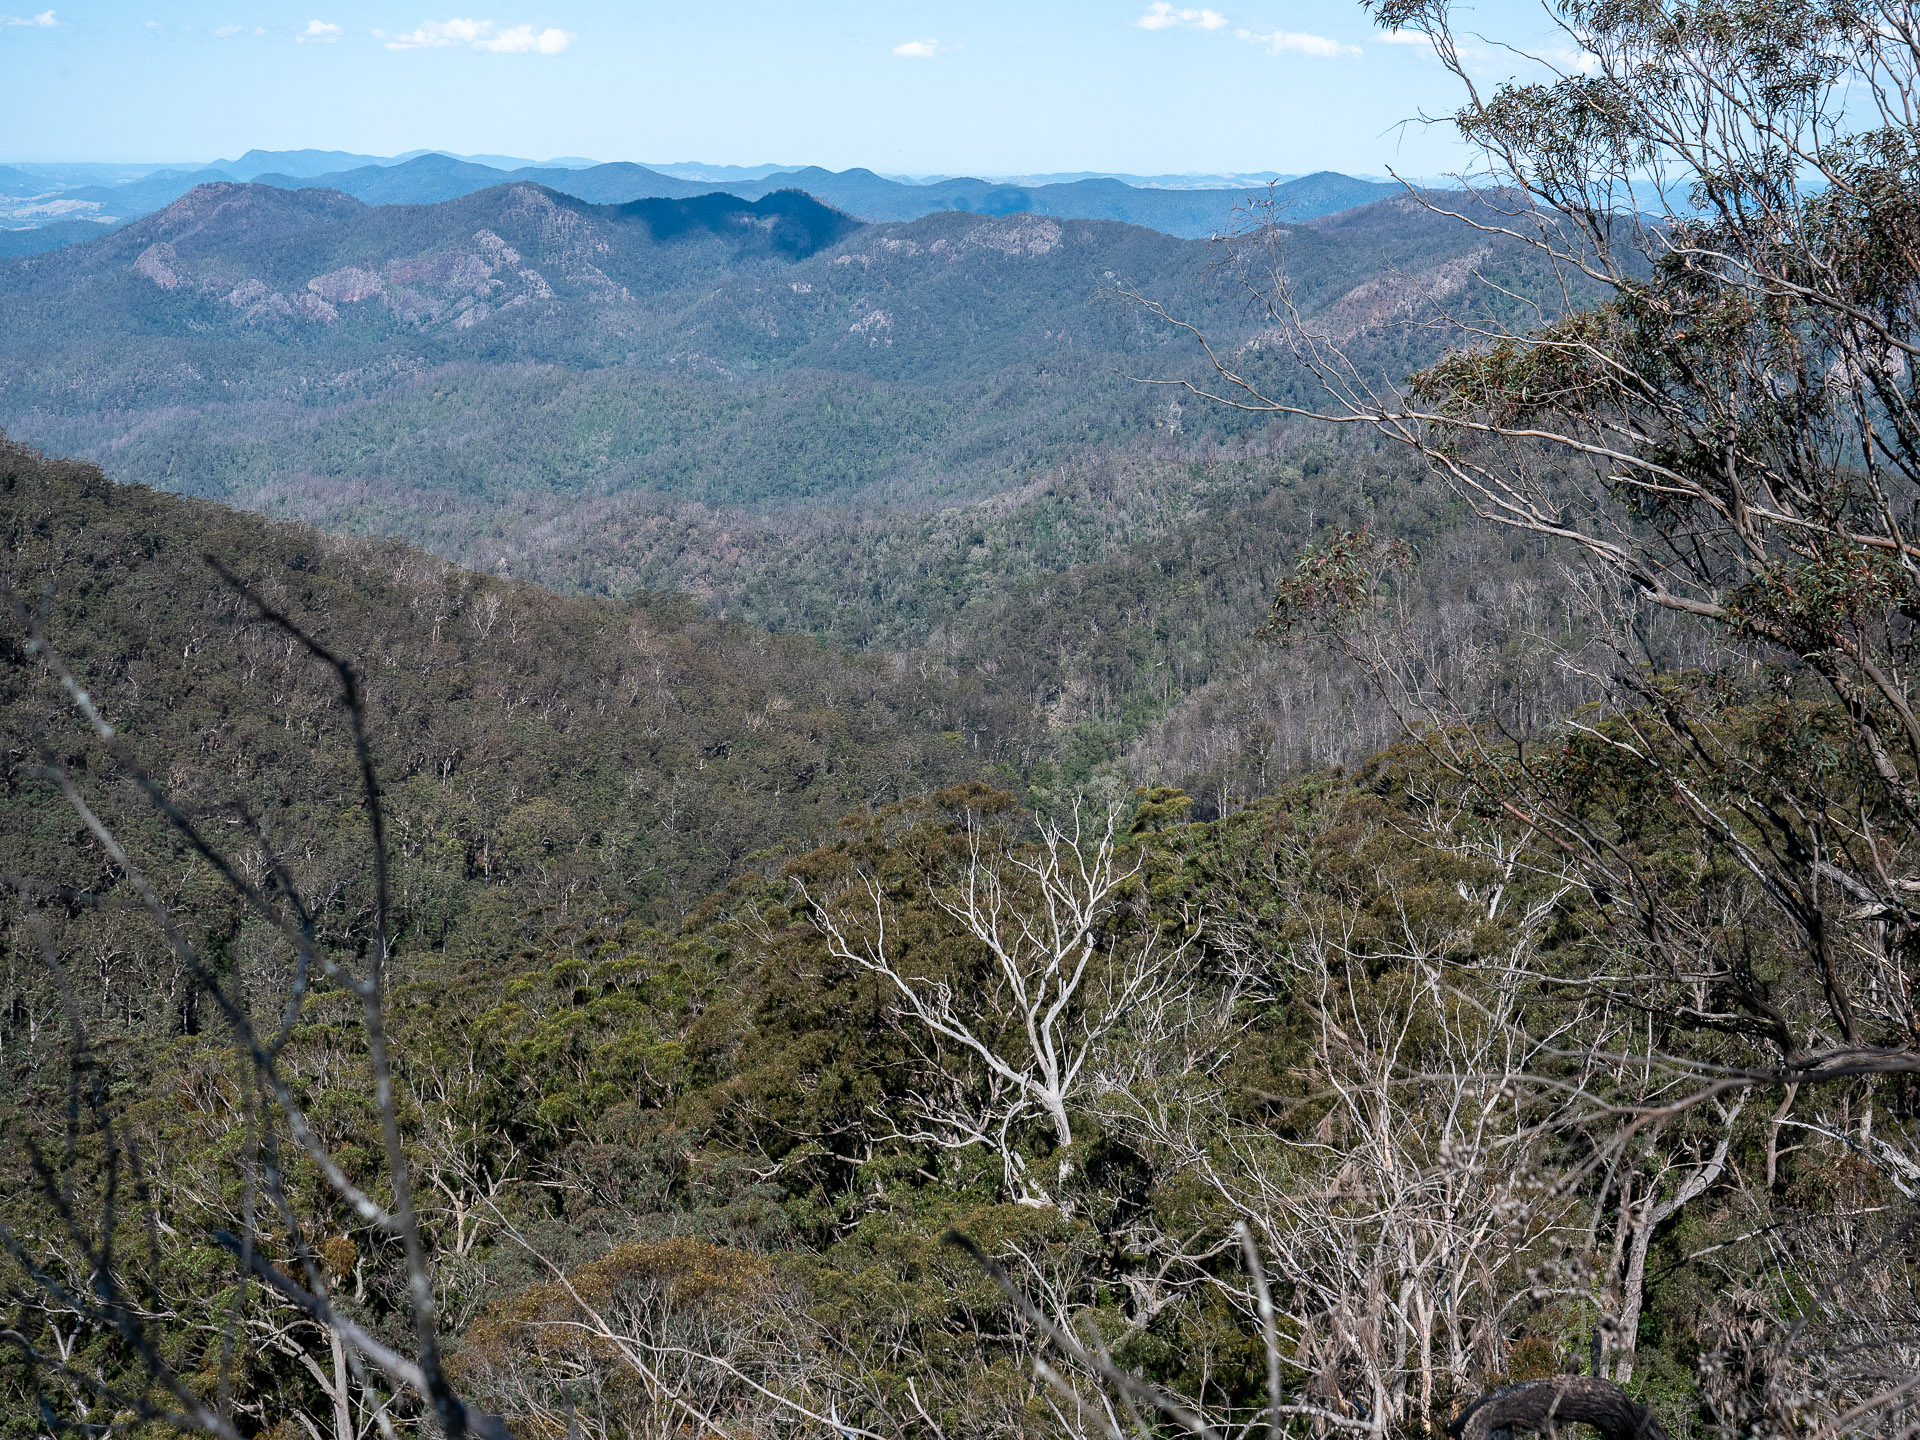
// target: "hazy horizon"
[[753, 168], [987, 89]]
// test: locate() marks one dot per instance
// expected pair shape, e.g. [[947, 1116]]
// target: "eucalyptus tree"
[[1710, 416], [100, 1331], [1008, 970]]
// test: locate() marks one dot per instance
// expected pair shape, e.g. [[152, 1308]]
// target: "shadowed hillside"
[[537, 750]]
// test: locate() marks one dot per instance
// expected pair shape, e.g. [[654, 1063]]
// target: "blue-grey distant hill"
[[20, 183], [518, 162], [1186, 213], [721, 174], [305, 164], [1176, 181], [431, 179], [140, 197], [294, 162], [64, 174]]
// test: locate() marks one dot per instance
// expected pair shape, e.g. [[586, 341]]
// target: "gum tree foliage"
[[96, 1335], [228, 1190], [1724, 447]]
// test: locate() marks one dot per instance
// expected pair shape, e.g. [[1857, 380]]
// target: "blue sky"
[[990, 86]]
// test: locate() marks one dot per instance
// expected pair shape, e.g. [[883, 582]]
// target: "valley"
[[764, 801], [896, 437]]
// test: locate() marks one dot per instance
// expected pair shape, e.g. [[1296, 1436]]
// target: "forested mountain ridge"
[[279, 255], [537, 750], [611, 399], [1117, 597], [723, 1122], [644, 1102], [1054, 1018], [433, 177], [254, 342]]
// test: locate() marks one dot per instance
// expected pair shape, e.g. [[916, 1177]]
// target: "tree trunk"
[[342, 1411], [1626, 1325], [1063, 1139], [1652, 1216]]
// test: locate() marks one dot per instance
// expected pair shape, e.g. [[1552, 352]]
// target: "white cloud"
[[917, 49], [43, 21], [1163, 16], [1402, 37], [525, 40], [225, 30], [318, 32], [435, 34], [480, 35], [1293, 42]]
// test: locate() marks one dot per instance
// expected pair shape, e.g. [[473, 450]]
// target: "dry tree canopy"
[[1575, 1056], [1713, 423]]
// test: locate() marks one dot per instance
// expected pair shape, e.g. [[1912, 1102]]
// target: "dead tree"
[[1029, 1043], [1706, 402]]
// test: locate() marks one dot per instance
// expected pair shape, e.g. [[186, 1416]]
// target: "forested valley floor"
[[641, 1072]]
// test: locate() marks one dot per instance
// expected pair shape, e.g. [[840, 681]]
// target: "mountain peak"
[[435, 163], [293, 162], [239, 210], [788, 222]]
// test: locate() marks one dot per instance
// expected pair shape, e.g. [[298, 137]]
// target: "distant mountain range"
[[887, 434], [430, 179], [1185, 180], [39, 198], [281, 347], [19, 182], [324, 162]]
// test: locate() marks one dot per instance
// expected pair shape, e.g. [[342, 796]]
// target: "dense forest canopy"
[[732, 1087], [499, 351], [1362, 889], [697, 408]]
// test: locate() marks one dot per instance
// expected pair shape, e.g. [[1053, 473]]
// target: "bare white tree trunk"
[[1399, 1229], [1036, 1035], [1641, 1221], [335, 1387]]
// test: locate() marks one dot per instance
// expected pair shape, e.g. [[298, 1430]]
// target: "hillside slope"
[[536, 751], [918, 438], [520, 341], [268, 345]]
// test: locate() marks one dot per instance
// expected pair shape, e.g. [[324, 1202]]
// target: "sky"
[[990, 87]]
